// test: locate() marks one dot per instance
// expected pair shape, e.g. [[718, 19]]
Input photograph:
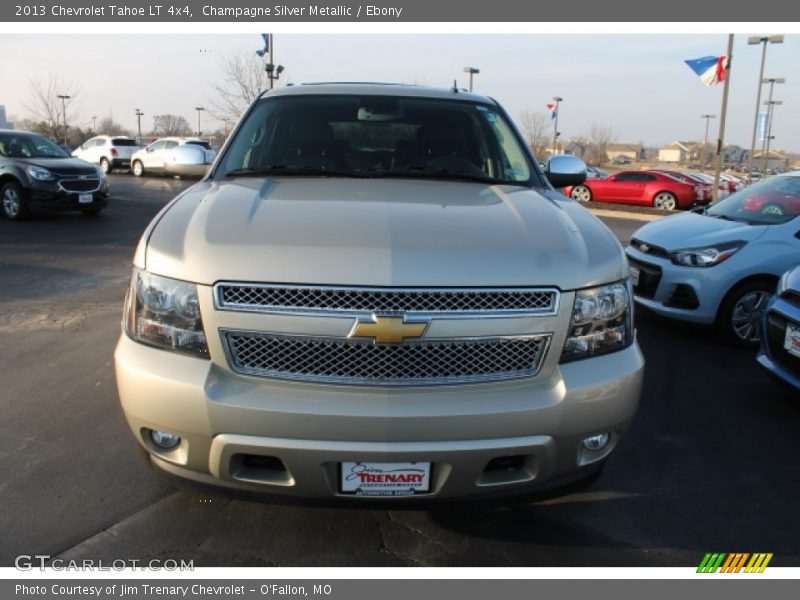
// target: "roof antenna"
[[454, 89]]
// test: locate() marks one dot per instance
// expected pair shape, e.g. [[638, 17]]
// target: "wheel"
[[91, 212], [773, 209], [137, 168], [740, 315], [14, 202], [105, 166], [581, 193], [665, 201]]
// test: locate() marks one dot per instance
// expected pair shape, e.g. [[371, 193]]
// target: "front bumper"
[[47, 195], [772, 355], [312, 428], [691, 294]]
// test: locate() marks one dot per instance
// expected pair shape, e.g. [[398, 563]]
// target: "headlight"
[[40, 173], [705, 257], [165, 313], [100, 173], [602, 321]]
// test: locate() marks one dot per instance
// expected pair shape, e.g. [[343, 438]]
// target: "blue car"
[[780, 341]]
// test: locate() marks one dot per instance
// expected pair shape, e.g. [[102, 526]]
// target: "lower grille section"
[[336, 360], [776, 334], [79, 185], [649, 278]]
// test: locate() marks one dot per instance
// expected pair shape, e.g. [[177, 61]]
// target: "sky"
[[636, 85]]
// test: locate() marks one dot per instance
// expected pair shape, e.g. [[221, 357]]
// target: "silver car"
[[375, 293]]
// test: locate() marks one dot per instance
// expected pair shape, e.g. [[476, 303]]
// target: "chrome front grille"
[[421, 362], [78, 186], [305, 299]]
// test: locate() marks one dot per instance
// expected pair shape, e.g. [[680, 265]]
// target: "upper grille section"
[[303, 299]]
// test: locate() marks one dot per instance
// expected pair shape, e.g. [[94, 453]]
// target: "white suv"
[[108, 151]]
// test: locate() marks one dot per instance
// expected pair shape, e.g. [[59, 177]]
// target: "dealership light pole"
[[472, 71], [558, 100], [199, 109], [771, 81], [64, 99], [94, 124], [155, 124], [705, 140], [754, 41], [273, 71], [139, 115], [771, 105]]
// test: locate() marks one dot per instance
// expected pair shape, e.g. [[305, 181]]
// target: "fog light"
[[596, 442], [166, 441]]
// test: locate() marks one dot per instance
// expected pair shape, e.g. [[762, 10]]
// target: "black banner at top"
[[408, 11]]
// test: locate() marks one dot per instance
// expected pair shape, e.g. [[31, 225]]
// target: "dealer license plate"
[[85, 198], [385, 479], [792, 340], [634, 276]]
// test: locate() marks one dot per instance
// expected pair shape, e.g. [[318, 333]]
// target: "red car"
[[643, 188]]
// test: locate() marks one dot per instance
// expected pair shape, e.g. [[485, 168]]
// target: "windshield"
[[776, 200], [14, 145], [377, 136]]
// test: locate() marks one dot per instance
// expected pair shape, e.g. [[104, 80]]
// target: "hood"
[[62, 166], [380, 232], [692, 230]]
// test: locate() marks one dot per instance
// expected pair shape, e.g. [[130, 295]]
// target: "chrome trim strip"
[[220, 304], [510, 375]]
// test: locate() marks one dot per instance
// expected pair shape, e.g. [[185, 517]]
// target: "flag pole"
[[271, 58], [723, 113]]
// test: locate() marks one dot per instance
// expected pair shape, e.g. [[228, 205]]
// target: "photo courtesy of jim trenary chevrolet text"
[[338, 299]]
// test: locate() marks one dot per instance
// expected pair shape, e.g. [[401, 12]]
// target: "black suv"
[[37, 174]]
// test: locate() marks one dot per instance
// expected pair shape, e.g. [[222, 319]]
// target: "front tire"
[[740, 314], [581, 193], [14, 202], [105, 166], [665, 201], [137, 168]]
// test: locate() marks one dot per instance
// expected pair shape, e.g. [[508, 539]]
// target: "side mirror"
[[562, 170], [148, 149]]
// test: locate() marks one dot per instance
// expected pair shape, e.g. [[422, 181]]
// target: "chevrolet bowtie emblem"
[[387, 330]]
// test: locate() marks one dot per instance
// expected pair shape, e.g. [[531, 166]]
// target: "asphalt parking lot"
[[709, 464]]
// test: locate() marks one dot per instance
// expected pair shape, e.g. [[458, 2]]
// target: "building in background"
[[4, 124]]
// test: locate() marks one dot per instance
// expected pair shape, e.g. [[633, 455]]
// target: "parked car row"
[[665, 189], [186, 157]]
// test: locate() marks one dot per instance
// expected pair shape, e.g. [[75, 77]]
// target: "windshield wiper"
[[290, 170], [428, 172]]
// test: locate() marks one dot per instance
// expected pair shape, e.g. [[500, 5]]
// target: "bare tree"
[[172, 125], [108, 126], [242, 79], [535, 127], [46, 107], [599, 140]]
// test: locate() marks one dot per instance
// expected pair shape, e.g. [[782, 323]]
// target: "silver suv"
[[376, 293]]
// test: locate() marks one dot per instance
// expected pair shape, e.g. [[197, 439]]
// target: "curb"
[[621, 214]]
